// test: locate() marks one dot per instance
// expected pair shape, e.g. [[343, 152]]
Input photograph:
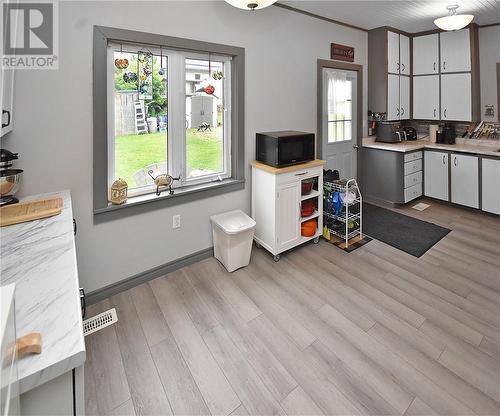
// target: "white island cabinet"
[[276, 204], [43, 268]]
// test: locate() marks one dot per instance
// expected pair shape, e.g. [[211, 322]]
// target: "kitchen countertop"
[[40, 258], [462, 145], [286, 169]]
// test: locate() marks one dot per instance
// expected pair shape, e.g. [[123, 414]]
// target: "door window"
[[339, 106]]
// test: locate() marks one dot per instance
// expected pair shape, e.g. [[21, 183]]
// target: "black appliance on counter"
[[284, 148], [411, 133], [447, 135], [390, 132]]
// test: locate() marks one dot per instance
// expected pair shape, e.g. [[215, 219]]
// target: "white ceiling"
[[408, 15]]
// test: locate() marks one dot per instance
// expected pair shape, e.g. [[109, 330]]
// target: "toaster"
[[390, 132]]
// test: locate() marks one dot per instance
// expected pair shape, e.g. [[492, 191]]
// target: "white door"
[[288, 215], [436, 174], [456, 97], [455, 51], [465, 180], [426, 54], [393, 111], [340, 121], [404, 54], [392, 52], [491, 186], [426, 97], [404, 98]]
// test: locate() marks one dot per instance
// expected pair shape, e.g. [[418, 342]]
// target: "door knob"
[[355, 146]]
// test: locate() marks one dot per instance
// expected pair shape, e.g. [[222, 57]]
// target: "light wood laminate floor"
[[374, 332]]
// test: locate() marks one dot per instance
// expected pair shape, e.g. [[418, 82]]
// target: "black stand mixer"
[[10, 179]]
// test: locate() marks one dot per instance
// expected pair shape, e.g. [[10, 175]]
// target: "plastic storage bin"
[[233, 235]]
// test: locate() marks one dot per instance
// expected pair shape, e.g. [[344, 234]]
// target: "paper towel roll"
[[433, 128]]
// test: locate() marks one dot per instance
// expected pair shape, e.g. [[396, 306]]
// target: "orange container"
[[308, 228]]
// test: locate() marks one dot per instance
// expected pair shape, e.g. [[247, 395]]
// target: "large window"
[[169, 113]]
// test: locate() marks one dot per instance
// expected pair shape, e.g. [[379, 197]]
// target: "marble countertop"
[[40, 258], [487, 148]]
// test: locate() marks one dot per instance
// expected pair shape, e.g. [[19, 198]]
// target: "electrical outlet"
[[176, 221]]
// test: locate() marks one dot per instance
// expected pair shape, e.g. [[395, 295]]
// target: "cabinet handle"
[[444, 159], [397, 109], [402, 111], [403, 65], [398, 66], [455, 161], [8, 118], [302, 173], [434, 112], [434, 66], [444, 113], [444, 65]]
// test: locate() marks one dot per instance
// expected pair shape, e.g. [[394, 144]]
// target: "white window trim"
[[176, 149]]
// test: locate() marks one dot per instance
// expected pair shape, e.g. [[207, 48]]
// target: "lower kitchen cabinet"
[[436, 175], [465, 180], [490, 176]]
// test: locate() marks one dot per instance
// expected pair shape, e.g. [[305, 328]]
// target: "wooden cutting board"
[[30, 210]]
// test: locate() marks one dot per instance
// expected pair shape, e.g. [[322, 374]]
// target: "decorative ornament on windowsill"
[[453, 21], [251, 4], [119, 192], [163, 180]]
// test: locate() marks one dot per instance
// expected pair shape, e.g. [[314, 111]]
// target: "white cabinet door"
[[7, 100], [426, 97], [404, 98], [288, 215], [455, 51], [426, 54], [393, 97], [404, 54], [491, 186], [392, 52], [436, 174], [456, 97], [465, 180]]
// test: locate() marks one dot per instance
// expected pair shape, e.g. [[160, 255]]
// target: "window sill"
[[143, 203]]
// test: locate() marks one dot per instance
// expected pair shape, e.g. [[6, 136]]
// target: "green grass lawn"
[[134, 152]]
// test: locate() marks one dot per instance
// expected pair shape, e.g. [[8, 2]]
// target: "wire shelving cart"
[[342, 210]]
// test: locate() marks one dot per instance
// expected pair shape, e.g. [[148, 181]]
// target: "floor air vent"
[[99, 321]]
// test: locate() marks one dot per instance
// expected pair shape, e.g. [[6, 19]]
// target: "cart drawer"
[[409, 157], [413, 192], [300, 174], [414, 166], [413, 179]]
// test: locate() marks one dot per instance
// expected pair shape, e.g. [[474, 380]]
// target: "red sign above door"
[[342, 52]]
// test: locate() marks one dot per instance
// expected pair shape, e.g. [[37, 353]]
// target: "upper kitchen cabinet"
[[404, 55], [388, 75], [455, 51], [7, 100], [426, 97], [426, 54], [456, 97], [392, 52], [398, 53]]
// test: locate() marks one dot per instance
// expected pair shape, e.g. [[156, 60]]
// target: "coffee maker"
[[447, 134]]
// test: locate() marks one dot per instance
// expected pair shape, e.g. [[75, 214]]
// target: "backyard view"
[[134, 152], [141, 118]]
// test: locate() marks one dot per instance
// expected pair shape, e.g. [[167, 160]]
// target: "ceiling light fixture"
[[250, 4], [453, 21]]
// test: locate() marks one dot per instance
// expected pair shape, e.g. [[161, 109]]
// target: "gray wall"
[[489, 55], [53, 131]]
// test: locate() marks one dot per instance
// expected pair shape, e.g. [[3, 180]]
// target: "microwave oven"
[[284, 148]]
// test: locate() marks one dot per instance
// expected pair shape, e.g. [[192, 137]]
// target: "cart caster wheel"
[[258, 245], [316, 240], [277, 258]]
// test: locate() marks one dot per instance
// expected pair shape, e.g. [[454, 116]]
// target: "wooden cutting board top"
[[30, 210]]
